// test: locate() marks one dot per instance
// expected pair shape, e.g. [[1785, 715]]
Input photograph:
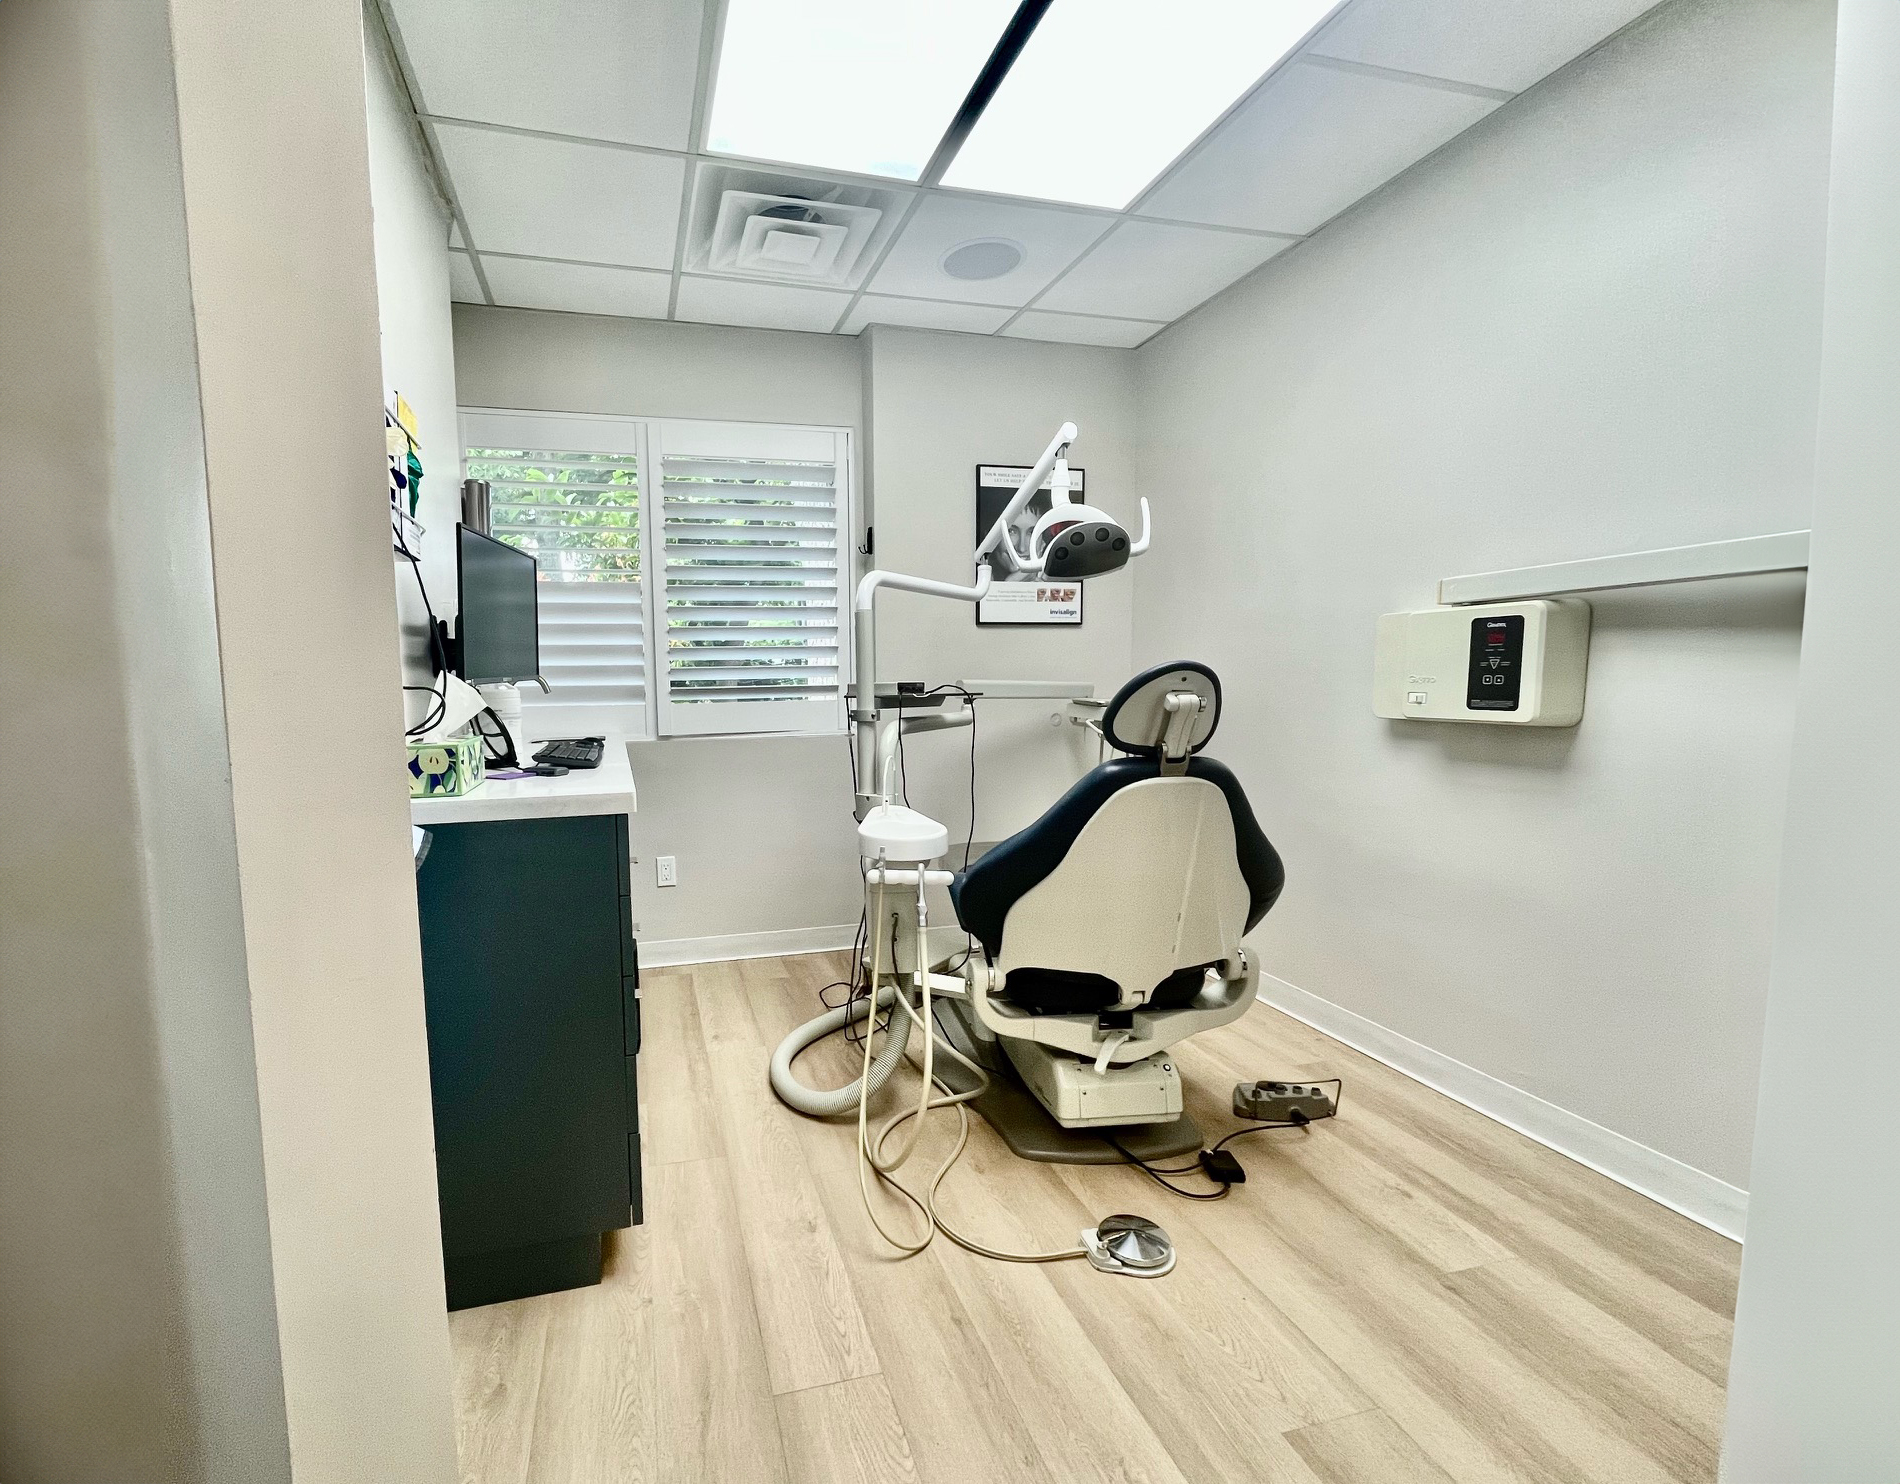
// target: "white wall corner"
[[1694, 1193]]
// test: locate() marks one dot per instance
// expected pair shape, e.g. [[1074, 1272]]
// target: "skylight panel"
[[867, 86], [1108, 92]]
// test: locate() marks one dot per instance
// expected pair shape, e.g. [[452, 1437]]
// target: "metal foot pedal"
[[1130, 1245]]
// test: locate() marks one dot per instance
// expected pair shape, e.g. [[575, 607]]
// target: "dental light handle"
[[998, 534]]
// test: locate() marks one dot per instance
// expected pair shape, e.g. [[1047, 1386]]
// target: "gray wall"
[[761, 827], [1816, 1363], [418, 343], [1588, 325], [938, 405], [138, 1327]]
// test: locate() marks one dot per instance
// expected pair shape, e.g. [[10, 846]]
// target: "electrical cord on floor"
[[1156, 1175], [1200, 1167]]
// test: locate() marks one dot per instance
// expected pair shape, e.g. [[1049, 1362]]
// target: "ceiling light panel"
[[862, 85], [1105, 95]]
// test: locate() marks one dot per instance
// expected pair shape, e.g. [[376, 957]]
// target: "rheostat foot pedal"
[[1132, 1246]]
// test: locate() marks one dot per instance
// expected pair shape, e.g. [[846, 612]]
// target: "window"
[[753, 561], [735, 558]]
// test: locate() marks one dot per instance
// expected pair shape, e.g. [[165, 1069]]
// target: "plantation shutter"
[[752, 567], [567, 489]]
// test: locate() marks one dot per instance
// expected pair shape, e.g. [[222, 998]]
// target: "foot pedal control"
[[1130, 1245], [1278, 1102]]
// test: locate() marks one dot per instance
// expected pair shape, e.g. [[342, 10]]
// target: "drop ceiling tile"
[[464, 287], [1050, 240], [581, 288], [550, 198], [923, 314], [1147, 271], [765, 306], [1507, 44], [1307, 145], [1080, 329], [601, 69]]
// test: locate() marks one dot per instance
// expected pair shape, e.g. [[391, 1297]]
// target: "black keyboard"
[[582, 752]]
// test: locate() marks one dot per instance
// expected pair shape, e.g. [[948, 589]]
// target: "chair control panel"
[[1509, 664]]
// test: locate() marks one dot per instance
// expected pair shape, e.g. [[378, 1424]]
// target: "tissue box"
[[441, 770]]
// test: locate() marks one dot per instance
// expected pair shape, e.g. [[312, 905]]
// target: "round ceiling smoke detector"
[[986, 257]]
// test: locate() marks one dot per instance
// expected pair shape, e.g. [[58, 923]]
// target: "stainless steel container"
[[475, 504]]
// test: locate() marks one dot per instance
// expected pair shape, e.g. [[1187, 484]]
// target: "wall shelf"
[[1785, 551]]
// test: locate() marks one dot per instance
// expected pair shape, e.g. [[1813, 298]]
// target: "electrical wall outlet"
[[668, 870]]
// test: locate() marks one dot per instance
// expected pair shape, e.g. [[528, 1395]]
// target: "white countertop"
[[607, 789]]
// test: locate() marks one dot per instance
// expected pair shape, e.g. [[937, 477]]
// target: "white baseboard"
[[664, 952], [1701, 1197]]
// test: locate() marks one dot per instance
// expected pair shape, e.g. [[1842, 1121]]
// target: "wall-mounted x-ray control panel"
[[1515, 664]]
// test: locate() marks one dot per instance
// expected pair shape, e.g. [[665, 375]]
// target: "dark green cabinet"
[[530, 970]]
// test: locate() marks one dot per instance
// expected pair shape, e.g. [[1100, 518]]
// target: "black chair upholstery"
[[985, 891]]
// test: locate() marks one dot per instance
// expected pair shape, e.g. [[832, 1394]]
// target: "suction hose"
[[831, 1102]]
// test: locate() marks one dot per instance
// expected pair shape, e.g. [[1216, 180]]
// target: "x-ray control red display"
[[1497, 663]]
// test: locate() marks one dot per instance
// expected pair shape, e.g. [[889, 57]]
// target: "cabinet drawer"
[[630, 1013], [629, 955], [633, 1094], [636, 1206], [625, 852]]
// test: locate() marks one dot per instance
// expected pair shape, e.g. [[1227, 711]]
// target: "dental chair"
[[1110, 929]]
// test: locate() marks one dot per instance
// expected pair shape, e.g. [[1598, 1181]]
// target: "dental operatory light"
[[1108, 92], [862, 85]]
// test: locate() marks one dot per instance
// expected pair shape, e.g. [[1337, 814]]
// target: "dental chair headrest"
[[1135, 718]]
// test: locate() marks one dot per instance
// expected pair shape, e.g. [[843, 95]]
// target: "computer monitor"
[[498, 631]]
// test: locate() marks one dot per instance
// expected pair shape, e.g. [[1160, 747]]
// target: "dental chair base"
[[1026, 1126], [1079, 1096]]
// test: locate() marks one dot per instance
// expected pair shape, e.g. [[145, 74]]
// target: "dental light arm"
[[1070, 541], [864, 657], [998, 534]]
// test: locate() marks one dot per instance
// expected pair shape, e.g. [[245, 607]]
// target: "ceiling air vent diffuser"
[[751, 224], [817, 242]]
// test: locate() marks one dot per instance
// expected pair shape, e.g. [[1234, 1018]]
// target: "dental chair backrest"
[[1145, 873]]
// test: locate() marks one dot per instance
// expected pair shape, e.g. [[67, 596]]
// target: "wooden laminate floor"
[[1405, 1292]]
